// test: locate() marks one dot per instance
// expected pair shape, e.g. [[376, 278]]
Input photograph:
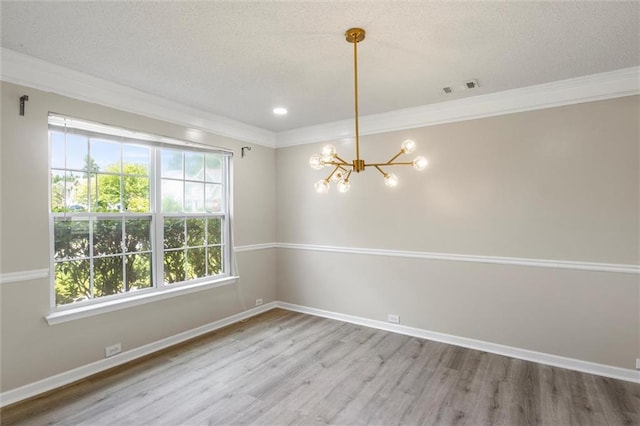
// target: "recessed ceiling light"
[[280, 111]]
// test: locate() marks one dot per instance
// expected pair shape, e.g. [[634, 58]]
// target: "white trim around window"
[[152, 295]]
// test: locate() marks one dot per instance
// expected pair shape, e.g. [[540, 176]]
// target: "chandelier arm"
[[332, 173], [335, 163], [379, 169], [395, 156], [346, 179], [403, 163], [340, 159]]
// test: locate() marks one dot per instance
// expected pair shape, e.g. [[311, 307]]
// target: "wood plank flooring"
[[283, 368]]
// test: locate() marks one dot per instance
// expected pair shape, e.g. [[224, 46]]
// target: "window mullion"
[[158, 220], [225, 226], [123, 234], [91, 272]]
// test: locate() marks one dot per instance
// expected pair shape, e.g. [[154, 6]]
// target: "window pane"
[[172, 192], [136, 159], [106, 155], [197, 263], [58, 191], [137, 235], [57, 150], [107, 237], [77, 152], [172, 165], [214, 260], [173, 233], [213, 198], [71, 238], [107, 275], [194, 165], [136, 194], [77, 189], [213, 167], [174, 267], [196, 232], [214, 230], [105, 190], [72, 281], [138, 271], [194, 197]]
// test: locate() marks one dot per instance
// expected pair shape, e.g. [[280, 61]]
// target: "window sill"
[[66, 315]]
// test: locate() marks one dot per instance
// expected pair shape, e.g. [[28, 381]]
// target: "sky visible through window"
[[104, 152]]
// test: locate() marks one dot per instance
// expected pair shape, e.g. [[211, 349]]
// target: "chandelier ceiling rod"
[[356, 35], [329, 157]]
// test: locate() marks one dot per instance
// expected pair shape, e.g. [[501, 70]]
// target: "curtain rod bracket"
[[23, 99]]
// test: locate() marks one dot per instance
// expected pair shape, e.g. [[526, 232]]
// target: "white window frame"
[[159, 290]]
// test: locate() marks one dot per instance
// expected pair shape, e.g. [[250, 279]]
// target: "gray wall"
[[557, 184], [32, 350]]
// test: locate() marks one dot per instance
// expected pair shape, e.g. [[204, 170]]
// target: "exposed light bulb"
[[329, 151], [322, 186], [420, 163], [316, 162], [408, 146], [337, 176], [343, 186], [391, 180]]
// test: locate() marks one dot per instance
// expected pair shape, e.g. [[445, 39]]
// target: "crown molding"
[[28, 71], [607, 85]]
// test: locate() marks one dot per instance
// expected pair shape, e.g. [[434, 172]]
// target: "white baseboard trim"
[[518, 261], [524, 354], [32, 389], [14, 277]]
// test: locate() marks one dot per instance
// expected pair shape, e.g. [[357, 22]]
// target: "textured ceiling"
[[240, 59]]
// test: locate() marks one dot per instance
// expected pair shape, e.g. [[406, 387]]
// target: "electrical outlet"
[[393, 318], [112, 350], [258, 302], [637, 363]]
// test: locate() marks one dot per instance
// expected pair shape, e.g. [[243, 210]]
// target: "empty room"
[[320, 212]]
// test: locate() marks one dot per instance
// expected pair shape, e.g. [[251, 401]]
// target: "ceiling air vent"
[[447, 89], [471, 84]]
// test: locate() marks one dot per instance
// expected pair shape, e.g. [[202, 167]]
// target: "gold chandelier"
[[342, 169]]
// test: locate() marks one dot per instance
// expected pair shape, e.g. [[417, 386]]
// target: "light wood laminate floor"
[[284, 368]]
